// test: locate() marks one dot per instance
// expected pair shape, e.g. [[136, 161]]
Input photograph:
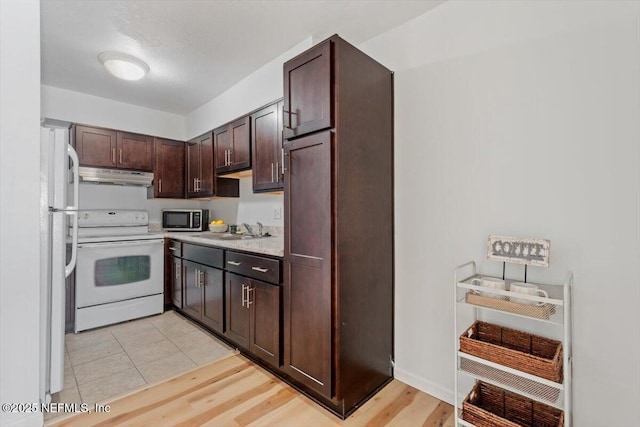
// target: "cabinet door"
[[222, 141], [135, 151], [176, 281], [207, 186], [266, 141], [238, 312], [307, 299], [308, 92], [169, 173], [193, 168], [264, 302], [240, 144], [212, 298], [192, 294], [96, 147]]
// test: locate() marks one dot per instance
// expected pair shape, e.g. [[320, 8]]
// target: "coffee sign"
[[518, 250]]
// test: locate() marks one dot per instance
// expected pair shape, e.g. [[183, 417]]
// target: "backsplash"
[[249, 207], [274, 230]]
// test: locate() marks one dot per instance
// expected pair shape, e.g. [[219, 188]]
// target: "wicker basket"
[[516, 349], [491, 406]]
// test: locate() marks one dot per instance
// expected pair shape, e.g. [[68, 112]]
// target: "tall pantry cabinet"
[[338, 262]]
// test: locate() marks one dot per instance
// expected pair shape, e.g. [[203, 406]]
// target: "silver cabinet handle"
[[271, 171], [234, 263], [201, 278], [277, 172], [228, 158], [178, 275], [195, 279], [249, 289], [243, 289], [261, 270], [113, 156], [173, 249], [282, 151], [160, 185], [121, 155], [289, 121]]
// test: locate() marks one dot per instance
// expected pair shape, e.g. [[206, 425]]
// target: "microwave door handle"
[[68, 269], [76, 178]]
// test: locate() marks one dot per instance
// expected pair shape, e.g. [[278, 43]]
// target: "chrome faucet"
[[259, 229], [248, 228]]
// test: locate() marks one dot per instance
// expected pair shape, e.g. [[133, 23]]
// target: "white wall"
[[521, 118], [259, 88], [259, 207], [19, 207], [77, 107]]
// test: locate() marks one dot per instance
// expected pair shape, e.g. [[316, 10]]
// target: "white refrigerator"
[[58, 227]]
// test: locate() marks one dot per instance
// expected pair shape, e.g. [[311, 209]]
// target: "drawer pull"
[[261, 270], [234, 263]]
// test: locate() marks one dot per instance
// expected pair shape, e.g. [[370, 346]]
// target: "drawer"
[[212, 257], [175, 248], [265, 269]]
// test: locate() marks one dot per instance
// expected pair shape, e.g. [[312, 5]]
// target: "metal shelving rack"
[[555, 312]]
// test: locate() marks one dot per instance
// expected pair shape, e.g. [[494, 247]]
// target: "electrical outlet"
[[277, 213]]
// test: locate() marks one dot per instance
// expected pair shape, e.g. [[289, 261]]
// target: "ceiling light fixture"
[[124, 66]]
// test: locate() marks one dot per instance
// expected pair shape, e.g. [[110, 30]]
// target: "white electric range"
[[120, 268]]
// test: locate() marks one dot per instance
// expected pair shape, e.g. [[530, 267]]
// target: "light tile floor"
[[106, 362]]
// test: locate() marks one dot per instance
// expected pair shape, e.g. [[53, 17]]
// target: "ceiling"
[[196, 49]]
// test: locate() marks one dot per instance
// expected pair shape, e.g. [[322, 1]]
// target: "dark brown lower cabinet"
[[203, 297], [307, 267], [238, 322], [253, 316]]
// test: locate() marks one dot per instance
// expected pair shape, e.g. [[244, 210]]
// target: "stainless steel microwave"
[[185, 219]]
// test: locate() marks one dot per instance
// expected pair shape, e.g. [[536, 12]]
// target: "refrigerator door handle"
[[73, 211], [68, 269], [76, 177]]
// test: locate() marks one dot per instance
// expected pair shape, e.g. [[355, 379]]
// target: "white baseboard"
[[30, 419], [429, 387]]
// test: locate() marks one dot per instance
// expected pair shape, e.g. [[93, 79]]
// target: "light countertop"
[[265, 245]]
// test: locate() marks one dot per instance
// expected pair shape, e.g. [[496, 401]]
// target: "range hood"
[[115, 176]]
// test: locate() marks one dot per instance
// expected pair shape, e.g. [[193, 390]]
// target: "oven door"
[[117, 271]]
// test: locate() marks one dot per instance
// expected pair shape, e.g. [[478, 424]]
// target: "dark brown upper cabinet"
[[266, 144], [233, 146], [200, 176], [135, 151], [338, 263], [308, 91], [169, 169], [106, 148]]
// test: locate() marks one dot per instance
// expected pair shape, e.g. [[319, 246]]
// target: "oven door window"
[[116, 271], [122, 270]]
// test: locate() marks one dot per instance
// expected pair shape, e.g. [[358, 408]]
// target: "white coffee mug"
[[527, 289], [490, 282]]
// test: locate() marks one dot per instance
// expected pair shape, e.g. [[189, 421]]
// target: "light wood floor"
[[236, 392]]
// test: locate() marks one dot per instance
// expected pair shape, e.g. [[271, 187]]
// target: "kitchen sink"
[[227, 236]]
